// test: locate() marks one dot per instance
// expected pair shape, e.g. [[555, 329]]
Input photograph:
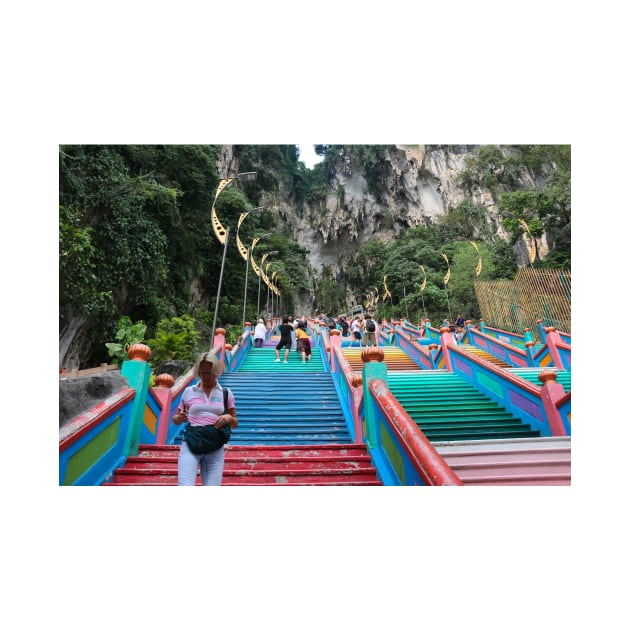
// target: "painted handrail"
[[426, 357], [500, 349], [92, 444], [401, 446], [554, 352], [504, 335], [348, 385], [239, 351], [537, 406]]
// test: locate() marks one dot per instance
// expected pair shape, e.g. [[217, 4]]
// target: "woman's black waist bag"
[[205, 439]]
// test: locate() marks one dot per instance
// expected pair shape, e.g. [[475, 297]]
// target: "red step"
[[321, 465]]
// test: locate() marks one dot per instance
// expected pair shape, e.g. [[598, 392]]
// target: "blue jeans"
[[211, 467]]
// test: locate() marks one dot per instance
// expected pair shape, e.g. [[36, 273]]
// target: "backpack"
[[369, 325], [205, 439]]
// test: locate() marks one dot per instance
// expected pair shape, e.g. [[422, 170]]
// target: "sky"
[[308, 155]]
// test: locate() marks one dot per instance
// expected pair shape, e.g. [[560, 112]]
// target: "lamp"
[[223, 234]]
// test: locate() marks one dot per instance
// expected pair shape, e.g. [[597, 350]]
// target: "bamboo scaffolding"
[[534, 294]]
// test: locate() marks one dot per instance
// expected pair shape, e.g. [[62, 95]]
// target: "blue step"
[[279, 407]]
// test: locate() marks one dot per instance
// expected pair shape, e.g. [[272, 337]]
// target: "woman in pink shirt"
[[202, 404]]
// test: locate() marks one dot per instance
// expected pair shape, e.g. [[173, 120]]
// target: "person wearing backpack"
[[206, 403], [369, 338]]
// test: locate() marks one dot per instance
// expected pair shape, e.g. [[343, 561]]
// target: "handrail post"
[[373, 367], [137, 371]]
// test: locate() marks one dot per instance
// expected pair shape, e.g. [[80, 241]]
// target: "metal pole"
[[405, 294], [216, 308], [245, 295], [450, 315], [258, 309]]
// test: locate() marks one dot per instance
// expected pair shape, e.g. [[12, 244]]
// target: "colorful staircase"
[[396, 359], [486, 356], [286, 408], [263, 360], [482, 442], [517, 462], [446, 407], [291, 431]]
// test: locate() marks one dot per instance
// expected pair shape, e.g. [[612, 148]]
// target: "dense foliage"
[[136, 242]]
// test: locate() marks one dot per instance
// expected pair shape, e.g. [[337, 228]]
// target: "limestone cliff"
[[413, 185]]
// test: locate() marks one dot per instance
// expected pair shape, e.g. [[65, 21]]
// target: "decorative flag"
[[532, 242], [222, 184], [424, 281], [447, 277], [241, 247], [255, 267], [478, 267], [387, 292], [219, 231]]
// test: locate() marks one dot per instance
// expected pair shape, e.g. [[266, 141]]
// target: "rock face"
[[80, 394], [174, 368], [412, 185]]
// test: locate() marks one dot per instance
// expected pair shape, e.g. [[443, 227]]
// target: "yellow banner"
[[241, 247], [255, 267], [424, 280], [387, 293], [219, 231]]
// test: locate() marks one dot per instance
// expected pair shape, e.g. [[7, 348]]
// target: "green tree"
[[127, 334], [175, 339]]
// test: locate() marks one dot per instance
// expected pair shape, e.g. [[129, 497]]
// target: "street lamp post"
[[260, 274], [277, 294], [245, 253], [245, 292], [422, 288], [223, 235], [446, 279], [216, 307], [268, 287]]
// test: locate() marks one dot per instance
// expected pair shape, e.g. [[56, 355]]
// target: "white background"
[[275, 72]]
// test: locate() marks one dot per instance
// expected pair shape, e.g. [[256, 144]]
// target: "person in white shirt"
[[356, 329], [260, 332]]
